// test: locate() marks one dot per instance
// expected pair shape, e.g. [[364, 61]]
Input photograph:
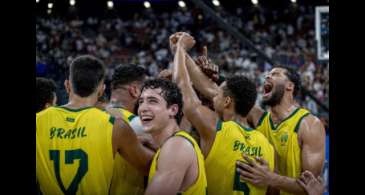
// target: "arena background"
[[136, 31]]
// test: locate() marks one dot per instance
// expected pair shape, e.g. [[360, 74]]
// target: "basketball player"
[[178, 165], [76, 143], [297, 136], [46, 93], [225, 133], [126, 86]]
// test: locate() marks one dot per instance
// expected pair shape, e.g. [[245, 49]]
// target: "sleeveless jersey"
[[284, 138], [126, 180], [200, 185], [74, 153], [232, 139]]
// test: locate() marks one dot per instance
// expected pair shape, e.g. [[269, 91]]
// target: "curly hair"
[[170, 92], [127, 73], [45, 92], [243, 91]]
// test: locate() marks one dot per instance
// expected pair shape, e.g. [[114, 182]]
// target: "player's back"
[[74, 153], [232, 139]]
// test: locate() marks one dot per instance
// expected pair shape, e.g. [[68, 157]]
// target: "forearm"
[[201, 82], [133, 151], [287, 184], [181, 78]]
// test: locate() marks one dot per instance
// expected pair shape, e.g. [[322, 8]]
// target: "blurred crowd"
[[287, 36]]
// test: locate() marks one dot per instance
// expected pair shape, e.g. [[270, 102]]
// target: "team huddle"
[[189, 131]]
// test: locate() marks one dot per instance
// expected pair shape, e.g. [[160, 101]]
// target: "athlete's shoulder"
[[47, 111], [308, 121], [260, 137]]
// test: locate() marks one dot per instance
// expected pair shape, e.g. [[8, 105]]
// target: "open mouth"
[[267, 88], [146, 119]]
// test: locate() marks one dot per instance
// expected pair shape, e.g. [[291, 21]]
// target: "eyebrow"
[[152, 97], [148, 98]]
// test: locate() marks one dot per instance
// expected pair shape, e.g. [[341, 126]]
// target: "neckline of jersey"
[[243, 127], [74, 109], [273, 127]]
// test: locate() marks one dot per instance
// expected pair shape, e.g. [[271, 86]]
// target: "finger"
[[205, 59], [216, 69], [245, 167], [304, 180], [249, 161], [199, 62], [301, 183], [309, 175], [246, 179], [196, 62], [261, 161], [205, 51], [215, 77], [245, 174]]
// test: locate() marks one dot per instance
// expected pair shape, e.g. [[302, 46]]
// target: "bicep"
[[173, 162], [313, 145]]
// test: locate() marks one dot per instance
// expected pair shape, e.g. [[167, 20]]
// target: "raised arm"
[[125, 142], [200, 81], [174, 160], [201, 117]]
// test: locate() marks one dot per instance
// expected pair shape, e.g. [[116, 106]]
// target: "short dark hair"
[[44, 92], [86, 73], [243, 91], [293, 76], [169, 91], [127, 73]]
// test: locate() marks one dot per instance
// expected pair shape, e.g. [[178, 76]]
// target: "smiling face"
[[153, 110], [275, 85]]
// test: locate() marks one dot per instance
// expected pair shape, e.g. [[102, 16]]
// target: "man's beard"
[[276, 97]]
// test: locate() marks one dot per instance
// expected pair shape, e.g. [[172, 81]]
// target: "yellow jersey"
[[126, 180], [284, 138], [231, 140], [200, 185], [74, 153]]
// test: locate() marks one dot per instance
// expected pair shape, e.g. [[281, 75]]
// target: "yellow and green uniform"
[[74, 153], [232, 139], [284, 138], [127, 180], [200, 185]]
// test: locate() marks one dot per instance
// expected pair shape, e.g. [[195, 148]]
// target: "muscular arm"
[[209, 89], [312, 136], [126, 143], [201, 117], [201, 82], [175, 158]]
